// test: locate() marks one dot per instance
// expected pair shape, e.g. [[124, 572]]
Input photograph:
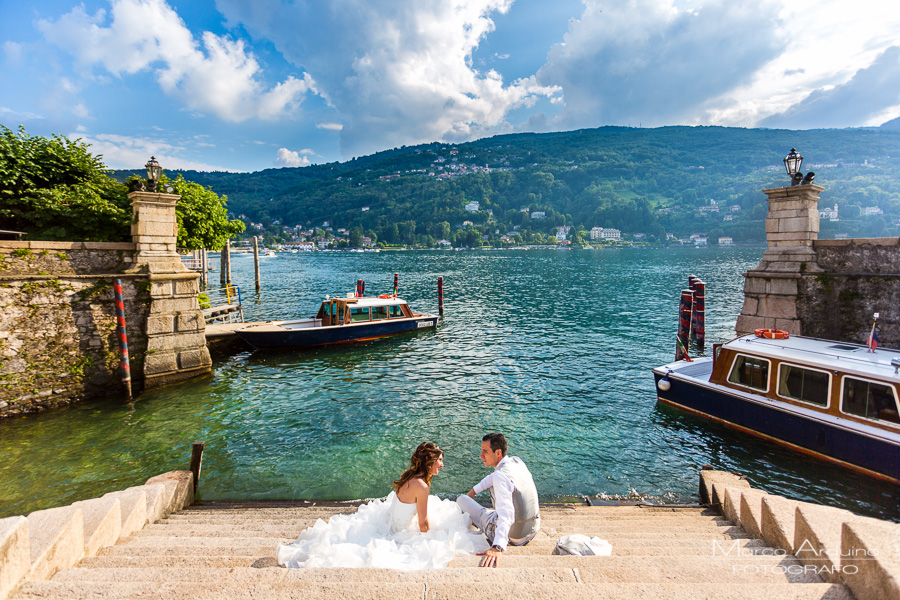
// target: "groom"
[[516, 516]]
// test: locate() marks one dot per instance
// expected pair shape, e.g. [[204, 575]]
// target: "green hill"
[[650, 181]]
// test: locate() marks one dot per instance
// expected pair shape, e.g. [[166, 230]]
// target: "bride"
[[409, 529]]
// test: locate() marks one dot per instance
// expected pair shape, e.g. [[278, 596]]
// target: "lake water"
[[553, 348]]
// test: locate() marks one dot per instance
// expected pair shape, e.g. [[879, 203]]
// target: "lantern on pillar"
[[792, 164], [153, 173]]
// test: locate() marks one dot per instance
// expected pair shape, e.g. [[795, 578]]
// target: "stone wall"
[[58, 338], [861, 277]]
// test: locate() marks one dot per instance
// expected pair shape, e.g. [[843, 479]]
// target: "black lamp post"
[[792, 164], [153, 173]]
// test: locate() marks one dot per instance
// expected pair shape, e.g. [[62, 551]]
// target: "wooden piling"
[[698, 314], [684, 317], [396, 284], [256, 262], [122, 332], [441, 296], [196, 460], [204, 267]]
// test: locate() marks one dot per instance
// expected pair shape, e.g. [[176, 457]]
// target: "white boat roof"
[[828, 354], [370, 301]]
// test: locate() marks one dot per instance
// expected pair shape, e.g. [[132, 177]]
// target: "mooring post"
[[698, 313], [441, 296], [196, 460], [684, 317], [124, 363], [396, 283], [204, 268], [223, 261], [256, 262]]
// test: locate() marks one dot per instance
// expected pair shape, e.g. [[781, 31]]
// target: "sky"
[[238, 85]]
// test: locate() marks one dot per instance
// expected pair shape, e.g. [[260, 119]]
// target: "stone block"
[[57, 540], [781, 286], [133, 508], [748, 324], [870, 552], [751, 305], [160, 324], [755, 285], [777, 307], [162, 246], [709, 477], [792, 326], [175, 342], [173, 305], [15, 558], [158, 496], [102, 523], [182, 484], [190, 321], [160, 228], [751, 512], [731, 504], [817, 538], [777, 522], [194, 359], [187, 287], [160, 362]]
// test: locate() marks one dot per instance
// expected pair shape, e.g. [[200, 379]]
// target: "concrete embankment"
[[741, 545]]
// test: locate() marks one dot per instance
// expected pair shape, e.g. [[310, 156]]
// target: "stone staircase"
[[221, 551]]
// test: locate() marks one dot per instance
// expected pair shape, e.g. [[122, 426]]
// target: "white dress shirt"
[[503, 503]]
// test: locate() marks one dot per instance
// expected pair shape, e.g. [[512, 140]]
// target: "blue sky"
[[246, 85]]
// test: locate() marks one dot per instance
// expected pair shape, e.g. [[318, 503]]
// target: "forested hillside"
[[679, 180]]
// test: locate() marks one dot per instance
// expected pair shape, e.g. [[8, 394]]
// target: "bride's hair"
[[420, 464]]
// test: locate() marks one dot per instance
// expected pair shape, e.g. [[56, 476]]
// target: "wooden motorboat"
[[341, 320], [834, 400]]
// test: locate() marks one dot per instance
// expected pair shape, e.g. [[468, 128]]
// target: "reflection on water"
[[552, 348]]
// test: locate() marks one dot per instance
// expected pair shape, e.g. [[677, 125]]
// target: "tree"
[[55, 189], [356, 236], [202, 217]]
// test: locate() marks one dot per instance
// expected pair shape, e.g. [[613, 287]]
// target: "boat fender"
[[664, 384], [772, 334]]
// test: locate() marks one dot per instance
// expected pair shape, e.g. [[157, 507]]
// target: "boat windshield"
[[379, 312], [870, 400]]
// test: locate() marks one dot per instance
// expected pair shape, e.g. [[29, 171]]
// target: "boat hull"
[[309, 337], [876, 456]]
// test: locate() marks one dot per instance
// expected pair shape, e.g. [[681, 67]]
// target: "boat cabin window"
[[379, 312], [869, 399], [803, 384], [751, 372], [396, 311], [359, 314]]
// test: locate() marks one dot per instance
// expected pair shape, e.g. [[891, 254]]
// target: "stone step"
[[52, 590], [173, 562], [286, 531], [273, 575], [244, 547]]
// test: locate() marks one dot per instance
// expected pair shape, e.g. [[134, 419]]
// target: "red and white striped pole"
[[124, 363], [698, 314], [396, 284]]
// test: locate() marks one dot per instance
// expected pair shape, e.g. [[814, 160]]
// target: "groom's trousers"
[[485, 519]]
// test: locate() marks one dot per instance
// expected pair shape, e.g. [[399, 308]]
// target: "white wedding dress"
[[385, 534]]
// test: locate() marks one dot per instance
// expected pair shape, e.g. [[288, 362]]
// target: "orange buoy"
[[385, 296], [772, 334]]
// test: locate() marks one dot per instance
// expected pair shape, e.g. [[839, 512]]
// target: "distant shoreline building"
[[605, 233]]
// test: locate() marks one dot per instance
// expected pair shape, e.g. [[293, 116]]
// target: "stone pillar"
[[176, 329], [771, 289]]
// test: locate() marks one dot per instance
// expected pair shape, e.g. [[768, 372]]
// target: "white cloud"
[[292, 158], [655, 63], [396, 72], [215, 75], [870, 97], [130, 152], [330, 126], [8, 113]]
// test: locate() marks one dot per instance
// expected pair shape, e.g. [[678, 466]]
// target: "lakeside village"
[[536, 228]]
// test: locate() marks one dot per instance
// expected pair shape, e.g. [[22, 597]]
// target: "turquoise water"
[[553, 348]]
